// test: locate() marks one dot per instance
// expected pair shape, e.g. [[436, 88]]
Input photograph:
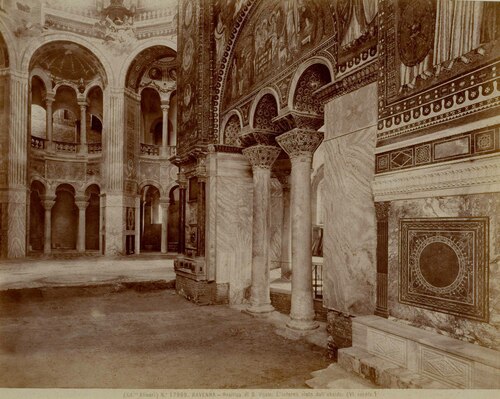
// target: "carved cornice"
[[290, 119], [224, 148], [300, 142], [350, 83], [262, 156], [452, 178]]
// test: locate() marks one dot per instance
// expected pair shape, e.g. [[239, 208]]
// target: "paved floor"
[[89, 270], [152, 339]]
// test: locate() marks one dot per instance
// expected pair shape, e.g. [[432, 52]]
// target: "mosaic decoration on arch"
[[434, 67], [444, 265]]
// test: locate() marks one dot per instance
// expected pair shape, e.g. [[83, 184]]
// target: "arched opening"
[[38, 114], [74, 120], [151, 117], [151, 218], [173, 220], [92, 215], [152, 73], [94, 118], [36, 216], [64, 218], [172, 120]]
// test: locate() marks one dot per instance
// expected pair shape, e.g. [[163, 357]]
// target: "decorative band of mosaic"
[[464, 145]]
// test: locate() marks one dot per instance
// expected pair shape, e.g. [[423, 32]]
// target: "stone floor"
[[95, 322], [68, 270], [152, 339]]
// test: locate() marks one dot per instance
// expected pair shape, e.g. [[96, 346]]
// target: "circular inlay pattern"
[[187, 58], [439, 264]]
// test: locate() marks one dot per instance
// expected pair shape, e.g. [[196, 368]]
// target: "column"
[[48, 202], [164, 203], [82, 204], [201, 217], [300, 145], [49, 99], [261, 157], [138, 225], [164, 133], [286, 252], [83, 126], [182, 217], [382, 213]]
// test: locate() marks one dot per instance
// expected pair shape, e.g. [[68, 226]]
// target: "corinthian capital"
[[262, 156], [300, 142]]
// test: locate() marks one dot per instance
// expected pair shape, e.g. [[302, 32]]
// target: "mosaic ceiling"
[[69, 61]]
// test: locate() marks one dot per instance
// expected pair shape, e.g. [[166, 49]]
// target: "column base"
[[302, 325], [260, 309]]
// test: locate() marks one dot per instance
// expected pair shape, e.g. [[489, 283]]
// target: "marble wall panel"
[[351, 112], [486, 334], [229, 240], [114, 214], [349, 243]]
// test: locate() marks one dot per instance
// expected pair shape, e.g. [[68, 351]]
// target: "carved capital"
[[48, 201], [165, 106], [300, 143], [49, 98], [262, 156], [382, 210], [82, 205]]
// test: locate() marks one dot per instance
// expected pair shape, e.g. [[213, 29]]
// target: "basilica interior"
[[334, 161]]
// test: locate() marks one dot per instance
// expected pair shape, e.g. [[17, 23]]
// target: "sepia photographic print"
[[249, 199]]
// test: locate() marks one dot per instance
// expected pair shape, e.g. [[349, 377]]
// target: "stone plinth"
[[397, 355]]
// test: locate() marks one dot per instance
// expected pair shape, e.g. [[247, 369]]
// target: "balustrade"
[[61, 146], [150, 149], [37, 143], [94, 148]]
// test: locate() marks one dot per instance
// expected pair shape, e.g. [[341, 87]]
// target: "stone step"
[[384, 373], [335, 377]]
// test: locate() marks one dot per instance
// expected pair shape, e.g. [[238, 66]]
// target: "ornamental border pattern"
[[471, 239], [480, 142], [474, 91]]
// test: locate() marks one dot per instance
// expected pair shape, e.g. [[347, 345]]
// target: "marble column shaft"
[[286, 239], [48, 203], [49, 99], [83, 127], [200, 247], [300, 146], [182, 219], [261, 158], [164, 132], [80, 238], [164, 225], [138, 225]]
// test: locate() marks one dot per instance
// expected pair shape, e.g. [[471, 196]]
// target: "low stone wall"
[[202, 292]]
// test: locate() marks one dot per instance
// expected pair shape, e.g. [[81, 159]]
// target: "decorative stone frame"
[[465, 292]]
